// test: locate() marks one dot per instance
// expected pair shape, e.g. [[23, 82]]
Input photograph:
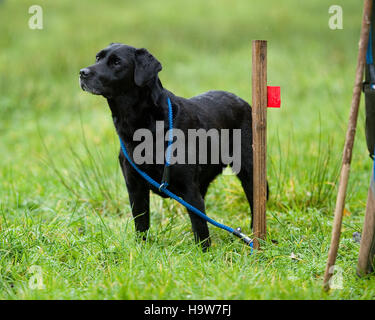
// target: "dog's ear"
[[146, 67]]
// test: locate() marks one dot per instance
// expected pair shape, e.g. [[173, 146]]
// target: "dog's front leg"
[[139, 198]]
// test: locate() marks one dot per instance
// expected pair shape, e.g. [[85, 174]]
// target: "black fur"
[[128, 78]]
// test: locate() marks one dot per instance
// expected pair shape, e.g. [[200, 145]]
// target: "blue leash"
[[370, 60], [369, 57], [163, 186]]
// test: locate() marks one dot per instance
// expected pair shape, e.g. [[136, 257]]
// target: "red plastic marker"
[[273, 97]]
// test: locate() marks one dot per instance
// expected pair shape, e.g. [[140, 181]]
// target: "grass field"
[[64, 211]]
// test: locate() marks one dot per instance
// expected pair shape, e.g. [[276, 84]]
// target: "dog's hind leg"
[[199, 225], [246, 178]]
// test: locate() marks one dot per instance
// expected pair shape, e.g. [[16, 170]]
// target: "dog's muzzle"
[[85, 74]]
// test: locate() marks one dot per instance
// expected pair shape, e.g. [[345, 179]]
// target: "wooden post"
[[259, 115], [349, 141], [367, 248]]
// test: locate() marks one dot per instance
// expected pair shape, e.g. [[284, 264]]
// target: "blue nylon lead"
[[170, 194], [170, 138], [369, 57]]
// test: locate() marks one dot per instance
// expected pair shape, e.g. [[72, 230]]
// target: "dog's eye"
[[116, 61], [97, 58]]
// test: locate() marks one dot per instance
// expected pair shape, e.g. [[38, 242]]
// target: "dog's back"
[[221, 110]]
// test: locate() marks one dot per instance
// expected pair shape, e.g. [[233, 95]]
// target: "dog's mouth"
[[87, 88]]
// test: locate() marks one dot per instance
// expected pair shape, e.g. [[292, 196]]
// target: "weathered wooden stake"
[[367, 248], [259, 115], [349, 141]]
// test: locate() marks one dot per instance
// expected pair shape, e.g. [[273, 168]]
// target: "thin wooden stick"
[[259, 115], [349, 141]]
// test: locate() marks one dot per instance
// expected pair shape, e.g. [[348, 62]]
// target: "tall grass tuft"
[[303, 179], [87, 176]]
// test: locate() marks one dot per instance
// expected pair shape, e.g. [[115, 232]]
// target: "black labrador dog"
[[128, 78]]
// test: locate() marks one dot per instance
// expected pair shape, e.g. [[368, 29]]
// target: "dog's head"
[[118, 69]]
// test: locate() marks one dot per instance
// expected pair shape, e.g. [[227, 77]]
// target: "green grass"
[[63, 202]]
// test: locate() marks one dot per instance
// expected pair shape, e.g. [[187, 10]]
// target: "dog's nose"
[[84, 73]]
